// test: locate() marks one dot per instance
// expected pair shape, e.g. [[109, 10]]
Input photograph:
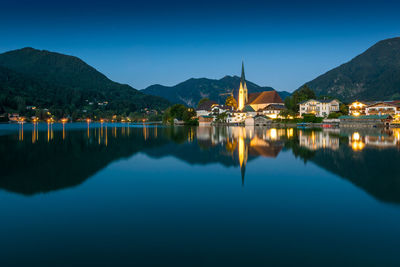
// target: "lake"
[[131, 194]]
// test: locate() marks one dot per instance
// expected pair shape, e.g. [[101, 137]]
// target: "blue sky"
[[283, 44]]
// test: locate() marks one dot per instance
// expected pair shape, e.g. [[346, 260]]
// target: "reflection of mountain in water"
[[367, 165], [42, 166], [370, 169], [42, 161]]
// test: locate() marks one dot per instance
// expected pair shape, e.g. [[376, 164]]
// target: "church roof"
[[265, 97]]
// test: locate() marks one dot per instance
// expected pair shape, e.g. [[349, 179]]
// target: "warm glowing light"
[[64, 120], [273, 134], [355, 136], [88, 120], [272, 116], [290, 132], [357, 145]]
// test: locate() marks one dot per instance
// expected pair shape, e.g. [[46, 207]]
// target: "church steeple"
[[242, 96], [242, 77]]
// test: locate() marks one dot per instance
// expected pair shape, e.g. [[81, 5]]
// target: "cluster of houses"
[[260, 108], [253, 108]]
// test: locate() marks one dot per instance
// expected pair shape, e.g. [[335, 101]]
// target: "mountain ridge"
[[64, 82], [190, 91], [371, 75]]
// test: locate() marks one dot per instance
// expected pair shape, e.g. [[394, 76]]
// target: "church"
[[260, 102]]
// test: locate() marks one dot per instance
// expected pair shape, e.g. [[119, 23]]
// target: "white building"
[[236, 117], [320, 108], [383, 108], [205, 108]]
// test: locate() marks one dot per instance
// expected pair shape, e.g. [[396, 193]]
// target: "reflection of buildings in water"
[[385, 139], [35, 133], [381, 141], [240, 142], [50, 132], [243, 156], [265, 148], [357, 142], [21, 131], [318, 140], [145, 132]]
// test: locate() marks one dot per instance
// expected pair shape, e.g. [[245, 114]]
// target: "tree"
[[334, 115], [303, 94], [177, 110], [202, 101], [344, 109], [188, 114], [287, 113], [231, 101]]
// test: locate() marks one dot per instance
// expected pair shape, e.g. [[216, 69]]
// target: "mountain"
[[46, 79], [373, 75], [191, 91]]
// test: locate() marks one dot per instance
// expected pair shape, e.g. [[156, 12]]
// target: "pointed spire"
[[242, 78]]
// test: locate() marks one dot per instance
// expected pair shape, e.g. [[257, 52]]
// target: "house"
[[205, 108], [383, 108], [235, 117], [218, 109], [250, 111], [357, 108], [320, 108], [272, 111], [13, 117]]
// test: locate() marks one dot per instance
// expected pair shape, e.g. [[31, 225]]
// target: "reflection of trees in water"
[[370, 166], [37, 163]]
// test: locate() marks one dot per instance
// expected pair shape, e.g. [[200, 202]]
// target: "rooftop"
[[264, 98], [206, 105]]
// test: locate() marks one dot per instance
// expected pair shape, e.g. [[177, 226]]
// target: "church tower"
[[243, 95]]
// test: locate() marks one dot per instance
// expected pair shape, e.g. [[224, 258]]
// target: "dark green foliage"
[[334, 115], [177, 111], [344, 109], [64, 84], [311, 118], [373, 75], [303, 94], [287, 112], [190, 92], [181, 113]]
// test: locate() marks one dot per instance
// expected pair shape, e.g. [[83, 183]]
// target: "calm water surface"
[[125, 194]]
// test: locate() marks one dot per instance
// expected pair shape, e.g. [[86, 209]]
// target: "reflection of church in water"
[[245, 143]]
